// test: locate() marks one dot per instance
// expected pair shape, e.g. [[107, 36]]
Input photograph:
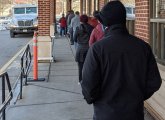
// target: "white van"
[[130, 10], [24, 19]]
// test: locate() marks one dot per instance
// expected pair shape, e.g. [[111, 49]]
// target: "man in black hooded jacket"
[[120, 71]]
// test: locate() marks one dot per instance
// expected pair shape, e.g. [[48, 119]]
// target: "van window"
[[128, 10], [30, 10], [19, 10]]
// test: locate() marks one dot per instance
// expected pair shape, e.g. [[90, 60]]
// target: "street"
[[10, 46]]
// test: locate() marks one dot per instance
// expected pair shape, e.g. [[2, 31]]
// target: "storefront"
[[149, 25]]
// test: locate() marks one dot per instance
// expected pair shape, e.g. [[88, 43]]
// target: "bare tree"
[[4, 4]]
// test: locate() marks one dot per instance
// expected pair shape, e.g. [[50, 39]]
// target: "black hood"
[[112, 13]]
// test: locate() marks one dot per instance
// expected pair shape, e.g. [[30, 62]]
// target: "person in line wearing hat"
[[81, 37], [98, 31], [70, 29], [120, 71], [75, 22], [67, 15], [93, 20]]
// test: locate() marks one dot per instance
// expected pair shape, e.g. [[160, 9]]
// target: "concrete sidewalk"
[[57, 98]]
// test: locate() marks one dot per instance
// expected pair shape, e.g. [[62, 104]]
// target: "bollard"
[[35, 57], [35, 61]]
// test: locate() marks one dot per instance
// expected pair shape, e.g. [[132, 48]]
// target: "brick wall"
[[44, 17], [52, 11], [142, 19]]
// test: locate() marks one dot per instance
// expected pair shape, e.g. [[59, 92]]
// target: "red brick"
[[142, 19]]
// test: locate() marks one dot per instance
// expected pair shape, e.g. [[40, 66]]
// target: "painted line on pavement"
[[3, 69]]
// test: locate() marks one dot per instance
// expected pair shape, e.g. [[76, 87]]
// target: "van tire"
[[12, 35]]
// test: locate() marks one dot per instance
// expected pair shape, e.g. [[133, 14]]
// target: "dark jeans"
[[62, 29], [80, 67], [66, 29], [71, 35]]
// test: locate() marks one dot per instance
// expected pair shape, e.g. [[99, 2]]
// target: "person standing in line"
[[62, 22], [70, 16], [81, 37], [75, 22], [98, 32], [70, 29], [68, 13], [93, 20], [120, 71]]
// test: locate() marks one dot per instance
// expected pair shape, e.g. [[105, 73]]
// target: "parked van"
[[24, 19], [130, 10]]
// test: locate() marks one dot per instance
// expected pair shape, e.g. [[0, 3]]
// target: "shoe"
[[78, 83]]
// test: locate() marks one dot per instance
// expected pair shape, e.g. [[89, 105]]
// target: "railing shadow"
[[26, 60]]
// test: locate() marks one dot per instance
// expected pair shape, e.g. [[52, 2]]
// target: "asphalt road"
[[10, 46]]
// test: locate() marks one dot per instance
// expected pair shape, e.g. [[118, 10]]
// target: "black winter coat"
[[119, 73], [81, 36]]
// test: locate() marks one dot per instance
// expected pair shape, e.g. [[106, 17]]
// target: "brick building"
[[141, 23], [149, 24]]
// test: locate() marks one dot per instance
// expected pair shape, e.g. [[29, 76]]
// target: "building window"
[[162, 8], [157, 29], [157, 9]]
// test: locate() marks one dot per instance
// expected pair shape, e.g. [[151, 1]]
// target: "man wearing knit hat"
[[120, 71]]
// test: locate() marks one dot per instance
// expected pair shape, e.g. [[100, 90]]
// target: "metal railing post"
[[21, 79], [3, 96], [8, 84], [5, 101], [25, 67]]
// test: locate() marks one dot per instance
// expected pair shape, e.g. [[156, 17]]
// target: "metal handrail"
[[5, 101], [26, 60]]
